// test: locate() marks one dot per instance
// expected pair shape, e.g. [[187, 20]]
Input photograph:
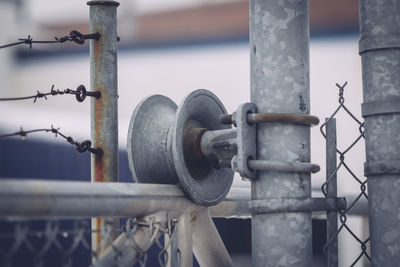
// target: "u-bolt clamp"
[[194, 144], [236, 148]]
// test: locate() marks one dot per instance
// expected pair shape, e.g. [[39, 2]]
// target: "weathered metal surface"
[[148, 145], [61, 199], [104, 111], [302, 119], [275, 205], [380, 56], [165, 147], [283, 166], [279, 54], [185, 239], [208, 247], [331, 192], [219, 145], [382, 167], [246, 141], [201, 109], [64, 199], [386, 107]]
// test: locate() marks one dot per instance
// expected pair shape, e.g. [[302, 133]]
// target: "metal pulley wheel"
[[164, 145]]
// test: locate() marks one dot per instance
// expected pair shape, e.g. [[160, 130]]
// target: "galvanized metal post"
[[104, 111], [379, 48], [279, 43], [331, 191]]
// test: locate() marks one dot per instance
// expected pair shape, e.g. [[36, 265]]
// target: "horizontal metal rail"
[[22, 199], [66, 199]]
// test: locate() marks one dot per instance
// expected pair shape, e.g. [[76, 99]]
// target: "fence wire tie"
[[163, 256], [74, 36], [81, 147], [80, 94]]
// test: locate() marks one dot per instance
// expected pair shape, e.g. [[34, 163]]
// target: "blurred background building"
[[170, 48]]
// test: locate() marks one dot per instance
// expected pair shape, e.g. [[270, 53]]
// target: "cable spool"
[[164, 145]]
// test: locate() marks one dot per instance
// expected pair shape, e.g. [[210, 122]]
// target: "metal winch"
[[194, 144]]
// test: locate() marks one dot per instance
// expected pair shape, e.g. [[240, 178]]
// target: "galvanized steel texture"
[[279, 49], [380, 55]]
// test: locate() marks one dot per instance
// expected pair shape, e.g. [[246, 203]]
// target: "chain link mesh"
[[67, 243], [362, 181]]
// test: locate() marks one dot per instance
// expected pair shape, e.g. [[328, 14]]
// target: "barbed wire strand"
[[80, 94], [74, 36], [80, 146], [342, 164]]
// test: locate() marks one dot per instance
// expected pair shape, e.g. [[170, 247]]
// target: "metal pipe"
[[331, 191], [35, 199], [23, 199], [104, 111], [219, 144], [208, 247], [302, 119], [185, 240], [379, 48], [285, 166], [279, 44]]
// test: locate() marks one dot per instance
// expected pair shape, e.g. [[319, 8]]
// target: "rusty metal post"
[[379, 48], [104, 111], [279, 44]]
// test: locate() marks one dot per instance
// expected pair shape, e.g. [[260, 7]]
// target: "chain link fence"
[[67, 243], [360, 180]]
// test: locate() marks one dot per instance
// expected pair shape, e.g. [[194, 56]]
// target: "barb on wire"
[[81, 147], [80, 94], [74, 36], [343, 164]]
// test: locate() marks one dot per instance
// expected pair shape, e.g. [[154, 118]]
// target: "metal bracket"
[[246, 120], [382, 167], [380, 107], [381, 41], [275, 205], [246, 141]]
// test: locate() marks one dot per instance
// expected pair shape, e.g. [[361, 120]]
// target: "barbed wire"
[[80, 94], [81, 147], [342, 164], [74, 36]]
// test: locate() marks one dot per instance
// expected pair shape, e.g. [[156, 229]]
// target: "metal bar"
[[185, 240], [279, 44], [275, 205], [331, 191], [128, 248], [35, 199], [207, 244], [22, 199], [302, 119], [380, 57], [171, 243], [104, 111], [285, 166]]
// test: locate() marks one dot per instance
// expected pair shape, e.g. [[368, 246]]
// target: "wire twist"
[[81, 147], [74, 36], [80, 94]]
